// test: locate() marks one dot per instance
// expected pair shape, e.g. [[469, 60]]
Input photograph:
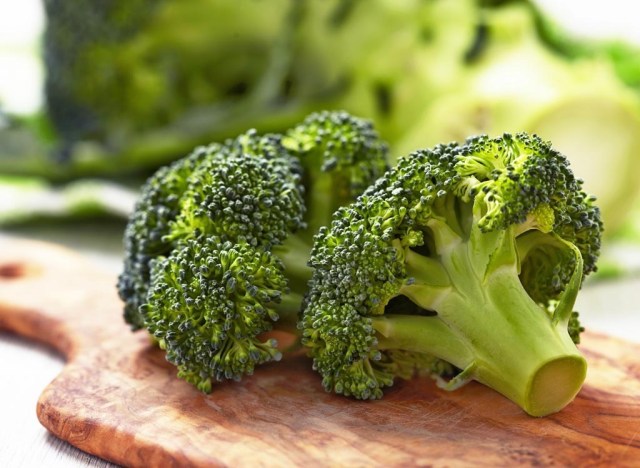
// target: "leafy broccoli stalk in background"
[[624, 56], [386, 59], [132, 85], [143, 82], [468, 256], [217, 247], [514, 82], [146, 81]]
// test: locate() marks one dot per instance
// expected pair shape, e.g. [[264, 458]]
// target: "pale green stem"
[[488, 325], [288, 310]]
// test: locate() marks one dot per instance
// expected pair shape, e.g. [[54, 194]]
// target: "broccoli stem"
[[487, 323], [288, 309], [420, 334], [320, 201], [295, 253]]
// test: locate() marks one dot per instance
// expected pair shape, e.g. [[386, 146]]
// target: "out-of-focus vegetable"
[[516, 82], [143, 82], [388, 58], [25, 198]]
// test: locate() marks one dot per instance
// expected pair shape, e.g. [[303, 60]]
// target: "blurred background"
[[95, 96]]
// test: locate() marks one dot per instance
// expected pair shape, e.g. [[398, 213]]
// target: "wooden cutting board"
[[118, 398]]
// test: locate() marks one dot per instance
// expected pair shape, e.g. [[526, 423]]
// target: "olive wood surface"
[[119, 399]]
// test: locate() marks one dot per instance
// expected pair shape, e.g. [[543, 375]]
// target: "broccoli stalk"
[[468, 256], [490, 328]]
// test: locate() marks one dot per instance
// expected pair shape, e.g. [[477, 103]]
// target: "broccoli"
[[384, 59], [216, 249], [136, 66], [148, 80], [144, 237], [464, 259], [221, 286], [624, 57], [515, 82]]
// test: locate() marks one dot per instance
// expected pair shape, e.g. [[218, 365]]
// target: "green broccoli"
[[220, 287], [138, 66], [624, 56], [144, 237], [385, 59], [217, 247], [463, 257], [147, 80], [209, 303], [515, 82]]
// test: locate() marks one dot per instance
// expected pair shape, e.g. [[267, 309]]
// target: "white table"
[[26, 367]]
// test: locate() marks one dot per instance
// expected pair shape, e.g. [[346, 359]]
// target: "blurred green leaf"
[[25, 199]]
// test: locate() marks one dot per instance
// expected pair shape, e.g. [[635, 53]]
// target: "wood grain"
[[118, 398]]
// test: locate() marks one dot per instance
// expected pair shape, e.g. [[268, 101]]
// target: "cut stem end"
[[555, 385]]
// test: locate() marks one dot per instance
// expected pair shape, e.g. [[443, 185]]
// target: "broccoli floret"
[[216, 291], [144, 237], [247, 189], [463, 256], [238, 225], [210, 301], [341, 156], [251, 191]]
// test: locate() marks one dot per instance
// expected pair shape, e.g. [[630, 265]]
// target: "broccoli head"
[[250, 190], [463, 259], [230, 247], [341, 156], [210, 301], [144, 238]]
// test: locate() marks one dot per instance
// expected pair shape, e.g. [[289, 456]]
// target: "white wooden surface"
[[27, 368]]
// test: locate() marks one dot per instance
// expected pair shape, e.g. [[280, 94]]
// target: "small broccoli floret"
[[251, 191], [341, 156], [252, 184], [467, 256], [231, 259], [144, 237], [220, 286], [210, 301], [345, 147]]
